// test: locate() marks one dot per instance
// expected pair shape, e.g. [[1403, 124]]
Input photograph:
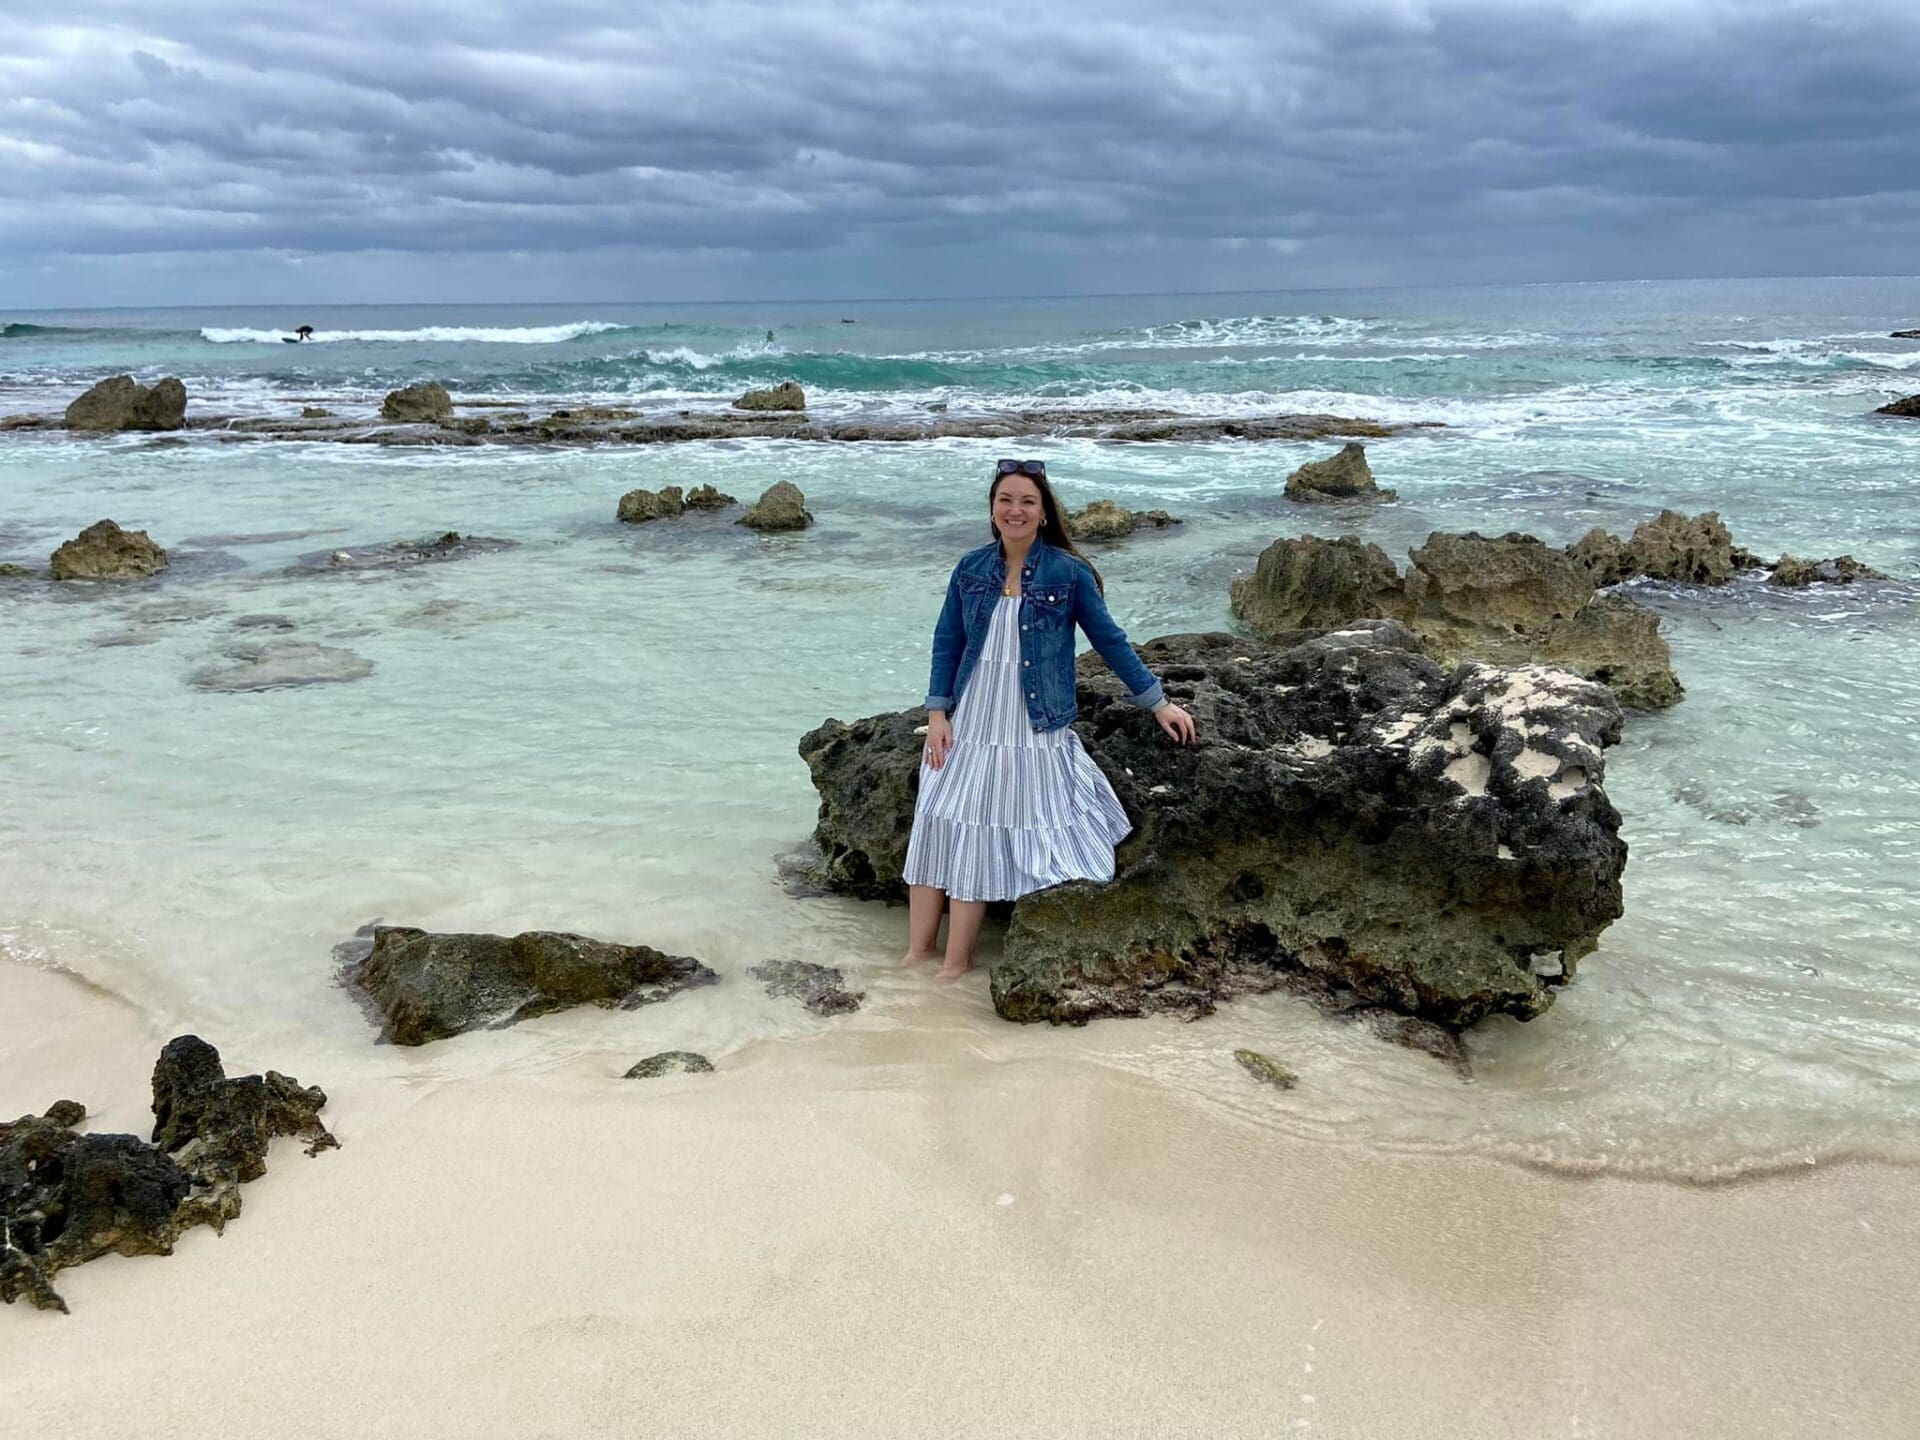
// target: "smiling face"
[[1017, 508]]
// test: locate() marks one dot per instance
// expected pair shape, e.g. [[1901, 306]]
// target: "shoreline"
[[874, 1233]]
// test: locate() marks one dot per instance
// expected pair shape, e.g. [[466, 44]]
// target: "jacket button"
[[1049, 597], [1026, 627], [1027, 663]]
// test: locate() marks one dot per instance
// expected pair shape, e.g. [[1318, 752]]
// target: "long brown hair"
[[1054, 532]]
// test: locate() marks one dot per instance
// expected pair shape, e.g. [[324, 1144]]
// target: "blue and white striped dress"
[[1013, 809]]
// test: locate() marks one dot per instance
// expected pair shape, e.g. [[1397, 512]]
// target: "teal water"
[[596, 729]]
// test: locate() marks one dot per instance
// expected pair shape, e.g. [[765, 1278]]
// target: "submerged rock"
[[14, 572], [787, 396], [1908, 408], [430, 986], [639, 506], [279, 664], [670, 1062], [425, 402], [1107, 520], [1510, 599], [1841, 570], [103, 551], [1355, 820], [404, 554], [782, 507], [1266, 1069], [1345, 476], [315, 412], [67, 1198], [122, 403], [821, 988]]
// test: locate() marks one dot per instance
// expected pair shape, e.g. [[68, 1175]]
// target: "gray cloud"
[[886, 147]]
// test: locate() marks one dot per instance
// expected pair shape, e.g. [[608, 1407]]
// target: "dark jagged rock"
[[103, 551], [1509, 599], [1908, 409], [1905, 335], [1107, 520], [1345, 476], [670, 1062], [66, 1198], [782, 507], [787, 396], [1841, 570], [1355, 820], [1266, 1069], [427, 402], [821, 988], [431, 986], [639, 506], [707, 497], [122, 403]]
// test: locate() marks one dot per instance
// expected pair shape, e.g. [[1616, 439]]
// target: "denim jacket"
[[1056, 593]]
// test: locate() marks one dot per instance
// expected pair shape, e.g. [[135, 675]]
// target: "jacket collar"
[[987, 562]]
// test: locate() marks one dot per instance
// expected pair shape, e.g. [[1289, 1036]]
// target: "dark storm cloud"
[[1333, 133]]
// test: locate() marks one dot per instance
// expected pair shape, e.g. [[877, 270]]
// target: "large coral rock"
[[1109, 520], [1345, 476], [1603, 555], [1690, 551], [781, 507], [1510, 599], [1354, 819], [639, 506], [1311, 583], [430, 986], [417, 404], [788, 396], [66, 1198], [122, 403], [103, 551]]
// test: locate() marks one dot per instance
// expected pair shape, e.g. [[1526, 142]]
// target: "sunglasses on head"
[[1036, 468]]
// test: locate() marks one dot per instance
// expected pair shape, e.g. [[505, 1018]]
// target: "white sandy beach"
[[905, 1234]]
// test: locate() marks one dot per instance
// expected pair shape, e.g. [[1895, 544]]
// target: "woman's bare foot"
[[919, 957], [950, 972]]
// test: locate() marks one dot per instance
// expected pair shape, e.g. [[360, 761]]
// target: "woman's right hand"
[[939, 738]]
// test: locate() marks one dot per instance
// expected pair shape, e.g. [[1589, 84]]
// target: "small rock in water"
[[821, 988], [282, 663], [669, 1062], [1345, 476], [103, 551], [1266, 1068], [782, 507], [263, 622]]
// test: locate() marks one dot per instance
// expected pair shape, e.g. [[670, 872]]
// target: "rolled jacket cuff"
[[939, 702], [1149, 697]]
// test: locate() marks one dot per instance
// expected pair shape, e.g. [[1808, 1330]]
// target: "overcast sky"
[[155, 153]]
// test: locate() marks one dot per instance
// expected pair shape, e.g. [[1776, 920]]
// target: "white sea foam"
[[427, 334], [700, 360]]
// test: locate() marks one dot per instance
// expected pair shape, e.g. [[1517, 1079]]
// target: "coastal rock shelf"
[[66, 1198], [608, 427], [1355, 822]]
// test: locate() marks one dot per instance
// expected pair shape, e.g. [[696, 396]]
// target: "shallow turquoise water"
[[596, 728]]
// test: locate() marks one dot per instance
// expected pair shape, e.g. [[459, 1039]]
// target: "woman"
[[1009, 801]]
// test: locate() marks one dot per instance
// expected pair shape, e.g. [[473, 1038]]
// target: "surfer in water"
[[304, 332]]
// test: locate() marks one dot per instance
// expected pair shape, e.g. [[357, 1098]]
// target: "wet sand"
[[891, 1233]]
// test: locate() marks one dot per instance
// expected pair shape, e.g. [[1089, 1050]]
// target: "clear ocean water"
[[596, 728]]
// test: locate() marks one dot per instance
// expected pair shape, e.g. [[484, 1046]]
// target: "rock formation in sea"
[[1793, 572], [781, 507], [708, 497], [786, 396], [1355, 820], [670, 1062], [639, 506], [1266, 1069], [103, 551], [821, 988], [14, 572], [122, 403], [426, 402], [1908, 408], [66, 1198], [1510, 599], [1345, 476], [1906, 335], [281, 665], [1108, 520], [431, 986], [402, 554]]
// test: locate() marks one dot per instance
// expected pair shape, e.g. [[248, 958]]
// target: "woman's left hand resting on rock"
[[1177, 723]]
